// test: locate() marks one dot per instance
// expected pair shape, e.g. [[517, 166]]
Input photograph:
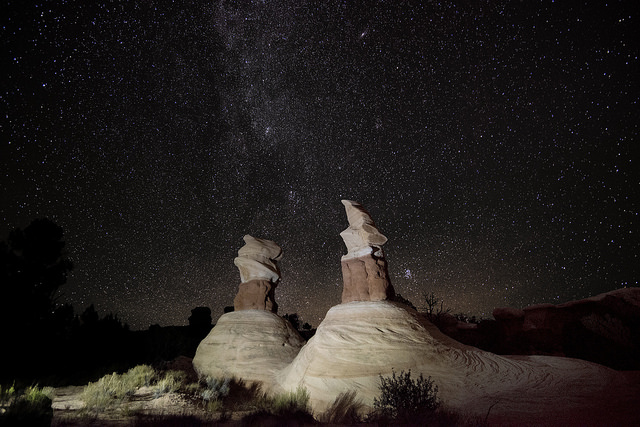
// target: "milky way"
[[492, 144]]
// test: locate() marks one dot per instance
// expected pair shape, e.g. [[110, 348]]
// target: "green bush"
[[114, 388], [103, 393], [242, 396], [290, 408], [406, 399]]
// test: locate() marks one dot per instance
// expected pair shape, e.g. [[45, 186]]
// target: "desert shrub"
[[214, 390], [32, 408], [243, 396], [103, 393], [171, 382], [291, 408], [215, 405], [406, 399], [140, 376], [36, 395], [345, 409], [114, 388]]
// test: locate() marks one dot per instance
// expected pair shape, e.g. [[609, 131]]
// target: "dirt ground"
[[141, 409]]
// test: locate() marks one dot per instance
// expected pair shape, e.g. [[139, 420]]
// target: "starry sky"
[[491, 141]]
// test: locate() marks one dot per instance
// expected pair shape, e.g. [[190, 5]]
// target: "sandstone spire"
[[364, 268], [259, 274]]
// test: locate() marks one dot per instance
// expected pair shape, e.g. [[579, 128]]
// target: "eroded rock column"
[[259, 274], [364, 267]]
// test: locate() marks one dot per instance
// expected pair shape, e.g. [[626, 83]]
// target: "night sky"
[[491, 141]]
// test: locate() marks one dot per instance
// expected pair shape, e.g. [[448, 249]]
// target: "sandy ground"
[[142, 408], [175, 409]]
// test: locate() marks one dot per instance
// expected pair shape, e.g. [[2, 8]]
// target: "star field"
[[492, 144]]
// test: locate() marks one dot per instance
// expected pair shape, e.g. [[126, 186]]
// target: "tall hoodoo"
[[259, 274], [364, 267]]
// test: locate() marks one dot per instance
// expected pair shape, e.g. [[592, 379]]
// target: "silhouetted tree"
[[89, 317], [431, 301], [33, 266]]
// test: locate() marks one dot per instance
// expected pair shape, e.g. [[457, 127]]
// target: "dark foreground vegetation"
[[129, 399]]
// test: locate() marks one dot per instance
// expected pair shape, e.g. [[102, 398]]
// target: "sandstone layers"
[[259, 274], [368, 336], [252, 342], [358, 341], [364, 267]]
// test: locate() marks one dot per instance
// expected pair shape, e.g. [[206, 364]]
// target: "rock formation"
[[259, 274], [252, 342], [364, 268], [368, 336], [248, 344], [604, 329], [359, 341]]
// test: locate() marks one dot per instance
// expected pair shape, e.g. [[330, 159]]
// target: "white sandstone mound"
[[358, 341], [248, 344]]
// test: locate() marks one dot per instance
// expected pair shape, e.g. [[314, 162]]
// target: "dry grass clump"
[[171, 382], [345, 409], [287, 403], [141, 375], [115, 389]]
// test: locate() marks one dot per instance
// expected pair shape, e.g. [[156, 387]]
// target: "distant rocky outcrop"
[[259, 273], [364, 267], [604, 329]]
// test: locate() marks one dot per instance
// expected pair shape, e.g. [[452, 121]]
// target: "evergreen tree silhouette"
[[33, 266]]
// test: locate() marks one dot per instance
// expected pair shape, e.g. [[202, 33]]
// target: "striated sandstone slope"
[[248, 344], [358, 341]]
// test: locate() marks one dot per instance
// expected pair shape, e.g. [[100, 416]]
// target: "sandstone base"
[[359, 341], [248, 344]]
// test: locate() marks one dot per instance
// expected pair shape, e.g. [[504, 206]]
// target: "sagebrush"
[[404, 398]]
